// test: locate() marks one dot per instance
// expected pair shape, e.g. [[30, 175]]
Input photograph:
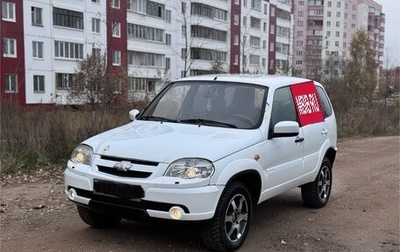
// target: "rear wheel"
[[230, 225], [97, 220], [316, 194]]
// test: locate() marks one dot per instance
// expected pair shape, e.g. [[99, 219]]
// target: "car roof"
[[258, 79]]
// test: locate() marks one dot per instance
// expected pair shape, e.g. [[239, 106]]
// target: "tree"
[[361, 76], [217, 66], [96, 84]]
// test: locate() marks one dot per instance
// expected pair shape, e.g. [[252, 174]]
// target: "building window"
[[10, 83], [9, 48], [96, 52], [236, 19], [96, 25], [272, 29], [184, 30], [255, 22], [64, 81], [271, 46], [116, 60], [168, 16], [236, 59], [95, 1], [207, 54], [168, 39], [237, 2], [264, 44], [183, 7], [254, 59], [256, 4], [337, 34], [236, 39], [116, 29], [38, 84], [115, 4], [37, 49], [255, 41], [337, 23], [244, 22], [208, 33], [36, 16], [145, 32], [167, 63], [272, 11], [8, 11], [68, 50], [67, 18], [146, 59], [142, 84]]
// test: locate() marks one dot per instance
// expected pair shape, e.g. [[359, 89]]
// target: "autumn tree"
[[96, 84], [361, 74]]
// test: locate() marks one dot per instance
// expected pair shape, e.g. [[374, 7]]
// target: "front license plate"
[[117, 189]]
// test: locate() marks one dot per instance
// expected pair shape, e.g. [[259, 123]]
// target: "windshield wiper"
[[157, 119], [207, 122]]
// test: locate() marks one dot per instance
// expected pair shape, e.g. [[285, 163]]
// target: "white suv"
[[209, 148]]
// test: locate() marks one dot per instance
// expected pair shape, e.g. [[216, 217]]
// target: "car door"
[[284, 160], [312, 123]]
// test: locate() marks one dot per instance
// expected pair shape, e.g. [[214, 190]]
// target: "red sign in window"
[[307, 103]]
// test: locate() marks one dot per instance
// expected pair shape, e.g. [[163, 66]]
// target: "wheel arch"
[[252, 180], [331, 155]]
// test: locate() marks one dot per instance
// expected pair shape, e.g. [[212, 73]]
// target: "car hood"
[[167, 142]]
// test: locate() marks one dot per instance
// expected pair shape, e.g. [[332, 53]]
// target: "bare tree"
[[96, 84]]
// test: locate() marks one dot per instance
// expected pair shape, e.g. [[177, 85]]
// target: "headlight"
[[82, 154], [189, 168]]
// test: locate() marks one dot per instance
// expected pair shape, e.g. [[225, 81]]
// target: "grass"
[[44, 138]]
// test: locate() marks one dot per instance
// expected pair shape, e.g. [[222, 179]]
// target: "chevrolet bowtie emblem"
[[123, 166]]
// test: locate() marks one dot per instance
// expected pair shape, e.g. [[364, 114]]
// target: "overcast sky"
[[391, 8]]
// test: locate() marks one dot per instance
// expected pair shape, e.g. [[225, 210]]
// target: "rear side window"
[[325, 104]]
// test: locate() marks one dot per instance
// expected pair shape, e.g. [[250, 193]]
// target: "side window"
[[326, 106], [282, 107]]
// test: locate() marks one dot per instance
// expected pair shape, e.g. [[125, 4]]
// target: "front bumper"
[[197, 203]]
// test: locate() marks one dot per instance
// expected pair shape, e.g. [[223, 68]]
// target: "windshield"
[[220, 104]]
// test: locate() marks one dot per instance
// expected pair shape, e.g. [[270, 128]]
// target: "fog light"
[[71, 194], [175, 212]]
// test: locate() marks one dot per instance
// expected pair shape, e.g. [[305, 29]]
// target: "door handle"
[[299, 139], [324, 132]]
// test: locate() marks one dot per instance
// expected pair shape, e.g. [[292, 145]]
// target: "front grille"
[[133, 161], [127, 174]]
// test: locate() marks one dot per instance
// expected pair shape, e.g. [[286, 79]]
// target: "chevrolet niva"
[[208, 149]]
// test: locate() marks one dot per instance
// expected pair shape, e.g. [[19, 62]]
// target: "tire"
[[97, 220], [229, 228], [316, 194]]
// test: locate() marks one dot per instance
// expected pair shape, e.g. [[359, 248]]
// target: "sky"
[[391, 8]]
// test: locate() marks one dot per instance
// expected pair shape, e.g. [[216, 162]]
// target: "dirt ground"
[[362, 215]]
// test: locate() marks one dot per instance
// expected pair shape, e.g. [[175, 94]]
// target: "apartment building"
[[154, 41], [323, 31]]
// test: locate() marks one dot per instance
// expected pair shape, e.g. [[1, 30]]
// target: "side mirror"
[[286, 129], [133, 113]]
